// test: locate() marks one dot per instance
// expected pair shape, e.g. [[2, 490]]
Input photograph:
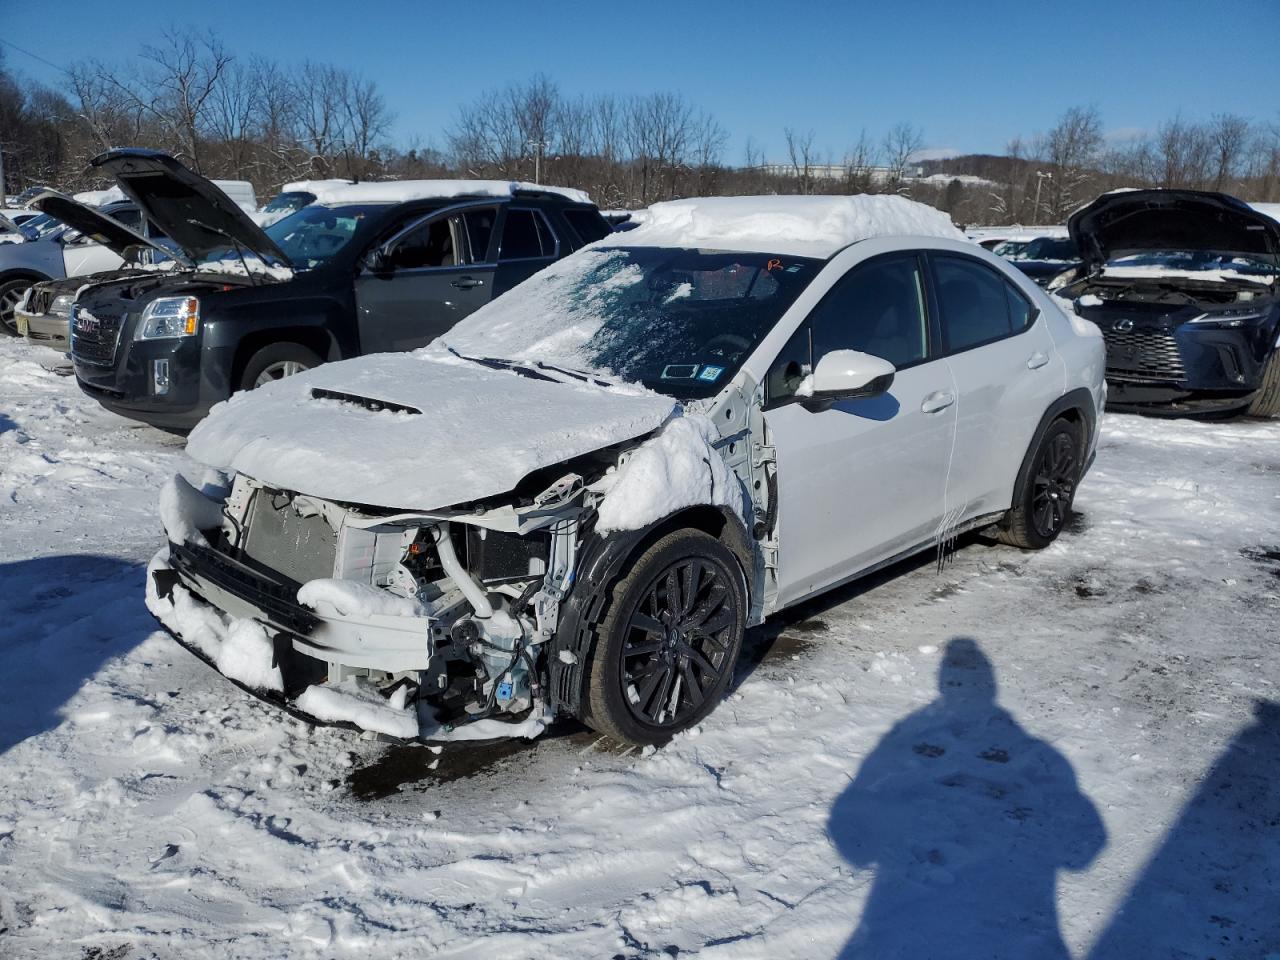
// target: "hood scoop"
[[368, 403]]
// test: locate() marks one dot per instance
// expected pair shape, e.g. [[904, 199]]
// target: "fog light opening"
[[160, 377]]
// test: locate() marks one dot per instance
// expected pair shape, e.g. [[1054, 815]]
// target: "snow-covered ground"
[[964, 763]]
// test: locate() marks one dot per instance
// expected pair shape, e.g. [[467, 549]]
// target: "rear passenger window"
[[526, 235], [130, 218], [974, 302], [587, 224], [877, 308]]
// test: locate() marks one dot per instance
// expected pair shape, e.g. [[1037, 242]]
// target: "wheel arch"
[[1075, 406], [316, 339], [603, 560]]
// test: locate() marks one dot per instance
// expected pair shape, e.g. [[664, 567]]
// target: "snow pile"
[[100, 198], [479, 433], [239, 648], [1089, 300], [332, 193], [678, 468], [1272, 210], [1190, 273], [357, 701], [529, 728], [1082, 326], [817, 226], [348, 598], [185, 511], [232, 266]]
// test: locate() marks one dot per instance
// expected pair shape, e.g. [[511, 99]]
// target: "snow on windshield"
[[678, 321]]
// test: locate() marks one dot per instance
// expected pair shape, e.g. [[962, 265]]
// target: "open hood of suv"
[[1131, 221], [92, 222], [416, 431], [194, 212]]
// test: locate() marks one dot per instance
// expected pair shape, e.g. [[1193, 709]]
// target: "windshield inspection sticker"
[[710, 374]]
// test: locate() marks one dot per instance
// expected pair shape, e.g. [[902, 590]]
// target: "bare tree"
[[1229, 135], [903, 141], [800, 154], [1071, 150]]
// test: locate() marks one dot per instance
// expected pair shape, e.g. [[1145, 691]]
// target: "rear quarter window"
[[587, 224]]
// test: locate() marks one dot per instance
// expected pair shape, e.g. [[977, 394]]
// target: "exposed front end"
[[403, 624]]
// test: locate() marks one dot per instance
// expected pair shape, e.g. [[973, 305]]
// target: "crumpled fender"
[[603, 560]]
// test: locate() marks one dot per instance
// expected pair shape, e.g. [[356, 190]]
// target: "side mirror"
[[845, 375], [378, 261]]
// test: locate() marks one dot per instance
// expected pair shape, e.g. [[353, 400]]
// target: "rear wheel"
[[668, 643], [11, 294], [1266, 402], [275, 362], [1047, 488]]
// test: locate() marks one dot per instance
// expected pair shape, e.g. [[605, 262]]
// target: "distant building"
[[838, 171]]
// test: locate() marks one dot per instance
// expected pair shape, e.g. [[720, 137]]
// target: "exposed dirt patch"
[[1266, 557]]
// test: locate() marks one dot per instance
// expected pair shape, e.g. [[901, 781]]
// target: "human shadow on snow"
[[966, 819], [61, 619], [1213, 887]]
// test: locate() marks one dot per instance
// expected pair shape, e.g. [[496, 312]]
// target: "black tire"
[[1046, 489], [11, 292], [653, 645], [277, 361], [1266, 402]]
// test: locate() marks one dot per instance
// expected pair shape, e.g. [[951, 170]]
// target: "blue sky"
[[970, 74]]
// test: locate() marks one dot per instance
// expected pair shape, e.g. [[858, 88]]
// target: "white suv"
[[578, 500]]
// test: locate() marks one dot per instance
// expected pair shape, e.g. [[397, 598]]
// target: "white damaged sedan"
[[576, 502]]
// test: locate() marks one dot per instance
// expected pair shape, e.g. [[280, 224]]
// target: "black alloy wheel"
[[668, 641], [1054, 484], [678, 643]]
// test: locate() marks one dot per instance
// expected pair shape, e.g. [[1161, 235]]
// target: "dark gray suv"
[[367, 268]]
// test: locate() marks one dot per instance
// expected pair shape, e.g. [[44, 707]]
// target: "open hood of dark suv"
[[1131, 221], [198, 216], [92, 222]]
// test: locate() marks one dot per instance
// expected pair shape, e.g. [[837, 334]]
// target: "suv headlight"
[[169, 317], [1229, 318], [61, 306]]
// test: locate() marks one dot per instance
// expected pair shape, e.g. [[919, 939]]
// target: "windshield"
[[678, 321], [1047, 248], [289, 202], [41, 226], [1197, 261], [308, 237]]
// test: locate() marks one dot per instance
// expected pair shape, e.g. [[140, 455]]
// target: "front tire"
[[668, 642], [11, 293], [275, 362], [1266, 402], [1047, 488]]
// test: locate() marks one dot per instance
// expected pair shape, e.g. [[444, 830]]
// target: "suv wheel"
[[1266, 402], [275, 362], [10, 296], [666, 648], [1048, 486]]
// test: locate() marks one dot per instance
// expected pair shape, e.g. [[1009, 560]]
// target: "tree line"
[[255, 118]]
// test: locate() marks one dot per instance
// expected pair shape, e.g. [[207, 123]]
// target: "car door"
[[435, 270], [863, 480], [1006, 372], [527, 244]]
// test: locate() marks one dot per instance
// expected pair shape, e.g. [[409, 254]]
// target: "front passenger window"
[[877, 308], [430, 245]]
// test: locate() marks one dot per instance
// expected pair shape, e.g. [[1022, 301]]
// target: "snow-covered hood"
[[1131, 221], [92, 222], [198, 216], [449, 430]]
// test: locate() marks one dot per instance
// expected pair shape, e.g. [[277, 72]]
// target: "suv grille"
[[94, 340], [1136, 355]]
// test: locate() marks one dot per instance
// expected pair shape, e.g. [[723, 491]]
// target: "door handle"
[[466, 283], [1037, 360], [938, 400]]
